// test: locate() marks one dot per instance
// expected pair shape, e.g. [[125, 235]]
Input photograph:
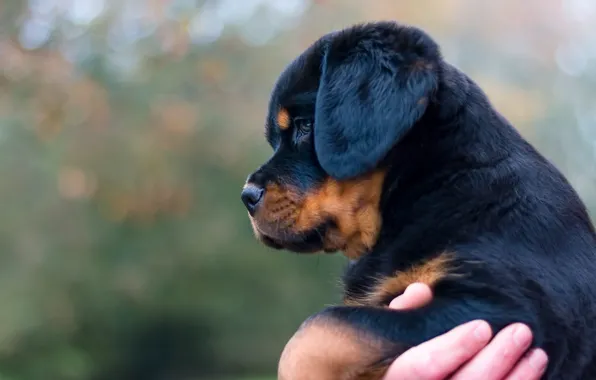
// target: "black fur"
[[459, 179]]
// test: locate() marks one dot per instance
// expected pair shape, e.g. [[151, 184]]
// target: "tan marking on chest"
[[429, 273]]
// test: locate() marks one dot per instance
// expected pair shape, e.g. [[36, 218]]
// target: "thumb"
[[416, 295]]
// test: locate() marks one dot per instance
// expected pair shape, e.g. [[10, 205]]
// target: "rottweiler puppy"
[[386, 152]]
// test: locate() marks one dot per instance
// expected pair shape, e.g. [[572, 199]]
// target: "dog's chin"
[[308, 242]]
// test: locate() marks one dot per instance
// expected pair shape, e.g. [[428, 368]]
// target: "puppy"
[[384, 151]]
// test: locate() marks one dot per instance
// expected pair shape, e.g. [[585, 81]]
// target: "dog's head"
[[335, 114]]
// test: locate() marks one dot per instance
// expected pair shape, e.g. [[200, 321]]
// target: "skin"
[[466, 352]]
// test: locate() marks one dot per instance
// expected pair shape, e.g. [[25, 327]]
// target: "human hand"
[[464, 353]]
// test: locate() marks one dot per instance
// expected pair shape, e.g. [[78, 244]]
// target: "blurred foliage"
[[127, 130]]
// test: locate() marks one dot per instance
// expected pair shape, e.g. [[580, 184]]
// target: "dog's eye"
[[302, 128]]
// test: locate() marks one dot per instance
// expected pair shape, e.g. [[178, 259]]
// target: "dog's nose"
[[252, 196]]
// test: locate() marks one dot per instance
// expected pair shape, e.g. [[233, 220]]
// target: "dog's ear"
[[368, 98]]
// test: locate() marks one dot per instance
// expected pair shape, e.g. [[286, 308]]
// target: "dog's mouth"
[[311, 241]]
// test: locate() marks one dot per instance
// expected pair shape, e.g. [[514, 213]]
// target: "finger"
[[416, 295], [438, 358], [500, 356], [531, 367]]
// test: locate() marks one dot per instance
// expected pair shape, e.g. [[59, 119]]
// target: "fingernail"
[[538, 360], [395, 303], [482, 331], [522, 336]]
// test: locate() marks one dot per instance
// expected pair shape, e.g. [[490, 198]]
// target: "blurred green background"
[[127, 129]]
